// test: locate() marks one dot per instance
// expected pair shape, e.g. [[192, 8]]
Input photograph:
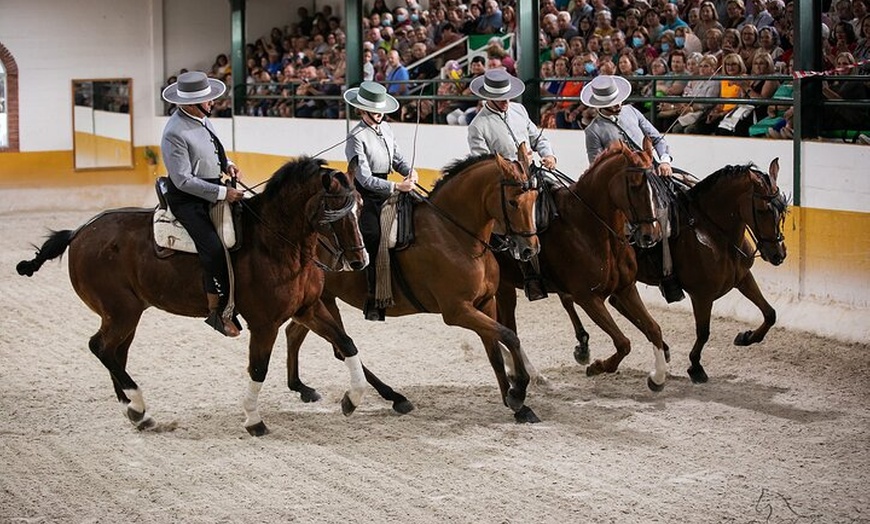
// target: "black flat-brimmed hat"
[[605, 91], [371, 97], [497, 84], [194, 87]]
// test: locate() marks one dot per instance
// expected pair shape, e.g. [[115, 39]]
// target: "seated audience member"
[[845, 118], [690, 114]]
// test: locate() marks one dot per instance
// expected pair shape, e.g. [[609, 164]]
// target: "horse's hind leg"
[[749, 288], [632, 307], [581, 350], [295, 333], [111, 345]]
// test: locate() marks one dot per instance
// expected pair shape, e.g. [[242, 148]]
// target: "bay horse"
[[450, 268], [586, 256], [711, 253], [115, 271]]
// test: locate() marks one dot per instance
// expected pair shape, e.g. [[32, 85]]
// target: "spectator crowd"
[[405, 42]]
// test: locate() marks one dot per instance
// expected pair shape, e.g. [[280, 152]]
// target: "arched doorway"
[[8, 101]]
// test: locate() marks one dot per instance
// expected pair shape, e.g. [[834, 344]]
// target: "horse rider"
[[195, 159], [501, 126], [374, 145], [613, 121]]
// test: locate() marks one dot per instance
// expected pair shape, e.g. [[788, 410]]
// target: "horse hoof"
[[653, 386], [403, 407], [258, 430], [697, 374], [515, 399], [142, 421], [347, 406], [743, 339], [525, 415], [309, 395], [667, 350], [581, 354], [594, 369]]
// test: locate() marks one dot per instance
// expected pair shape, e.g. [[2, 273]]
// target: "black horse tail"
[[54, 247]]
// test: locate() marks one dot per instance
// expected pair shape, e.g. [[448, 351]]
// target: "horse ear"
[[648, 146], [326, 180], [523, 154], [773, 170]]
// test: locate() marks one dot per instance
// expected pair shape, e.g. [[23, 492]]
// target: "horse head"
[[631, 190], [516, 215], [769, 208], [335, 216]]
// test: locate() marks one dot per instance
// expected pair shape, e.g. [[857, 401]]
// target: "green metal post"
[[353, 20], [237, 50], [528, 51], [808, 91]]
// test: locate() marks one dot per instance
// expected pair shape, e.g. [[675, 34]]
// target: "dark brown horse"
[[711, 254], [585, 253], [115, 271], [450, 268]]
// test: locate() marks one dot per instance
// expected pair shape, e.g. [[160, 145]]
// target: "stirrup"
[[372, 312], [671, 289], [217, 322], [534, 289]]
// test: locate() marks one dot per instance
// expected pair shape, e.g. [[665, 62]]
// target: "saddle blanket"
[[170, 234]]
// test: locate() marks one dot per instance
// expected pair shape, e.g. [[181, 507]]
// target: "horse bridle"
[[527, 185], [530, 184], [325, 219], [633, 217], [772, 201]]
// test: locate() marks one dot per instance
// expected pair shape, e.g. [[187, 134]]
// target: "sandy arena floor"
[[780, 434]]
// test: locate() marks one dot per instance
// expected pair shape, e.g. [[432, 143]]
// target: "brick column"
[[11, 97]]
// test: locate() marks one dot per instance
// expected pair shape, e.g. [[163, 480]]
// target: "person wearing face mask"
[[195, 159], [614, 121], [373, 144], [500, 127]]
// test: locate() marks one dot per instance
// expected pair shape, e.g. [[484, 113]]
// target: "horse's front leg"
[[482, 321], [506, 306], [749, 288], [319, 320], [259, 353], [593, 305], [581, 350], [628, 303], [701, 307]]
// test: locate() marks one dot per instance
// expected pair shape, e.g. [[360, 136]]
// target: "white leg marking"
[[509, 367], [660, 374], [249, 403], [137, 402], [357, 379]]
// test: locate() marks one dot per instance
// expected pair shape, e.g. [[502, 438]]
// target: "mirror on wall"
[[102, 123]]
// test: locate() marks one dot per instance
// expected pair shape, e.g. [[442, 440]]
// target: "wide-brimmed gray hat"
[[194, 87], [497, 84], [605, 91], [371, 97]]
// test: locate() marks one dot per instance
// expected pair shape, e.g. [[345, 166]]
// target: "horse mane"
[[730, 171], [457, 166], [294, 172], [615, 147]]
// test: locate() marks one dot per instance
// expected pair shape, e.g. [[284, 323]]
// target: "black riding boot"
[[370, 310], [533, 283]]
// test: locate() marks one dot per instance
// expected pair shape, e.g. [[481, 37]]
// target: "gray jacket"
[[190, 156], [602, 132], [493, 132], [378, 153]]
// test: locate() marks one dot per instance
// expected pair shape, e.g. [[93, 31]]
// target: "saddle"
[[545, 205], [170, 236]]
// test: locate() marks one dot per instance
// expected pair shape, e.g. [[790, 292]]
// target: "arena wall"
[[822, 286]]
